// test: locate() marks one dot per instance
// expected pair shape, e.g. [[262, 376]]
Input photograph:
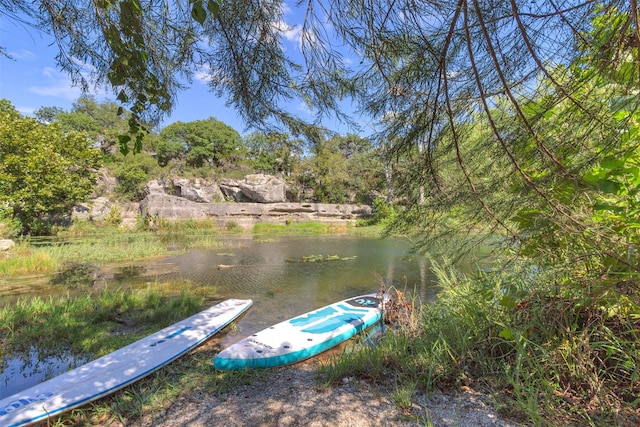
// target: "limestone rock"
[[104, 209], [246, 214], [231, 190], [262, 188], [171, 207], [6, 244], [156, 186], [197, 190], [105, 184]]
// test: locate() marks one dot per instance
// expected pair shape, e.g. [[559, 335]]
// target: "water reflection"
[[20, 372]]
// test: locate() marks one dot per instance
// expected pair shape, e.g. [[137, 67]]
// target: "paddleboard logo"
[[168, 337], [24, 402], [369, 302]]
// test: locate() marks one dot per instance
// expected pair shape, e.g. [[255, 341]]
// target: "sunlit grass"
[[94, 323], [100, 245], [544, 359]]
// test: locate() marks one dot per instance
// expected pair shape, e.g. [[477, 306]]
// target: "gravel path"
[[289, 396]]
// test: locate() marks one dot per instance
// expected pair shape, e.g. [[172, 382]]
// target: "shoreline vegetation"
[[542, 356]]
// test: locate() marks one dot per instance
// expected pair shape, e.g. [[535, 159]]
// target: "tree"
[[205, 142], [43, 170], [273, 152], [47, 115]]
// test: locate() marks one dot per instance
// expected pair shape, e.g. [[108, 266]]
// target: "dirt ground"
[[289, 396]]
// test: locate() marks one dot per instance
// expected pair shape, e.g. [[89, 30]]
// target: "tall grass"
[[302, 228], [86, 243], [545, 359]]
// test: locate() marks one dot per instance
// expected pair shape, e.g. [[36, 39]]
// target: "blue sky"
[[31, 80]]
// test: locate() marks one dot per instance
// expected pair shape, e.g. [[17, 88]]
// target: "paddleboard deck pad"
[[302, 337], [109, 373]]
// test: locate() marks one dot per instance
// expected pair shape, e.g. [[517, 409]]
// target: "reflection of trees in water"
[[87, 275], [129, 272], [75, 276]]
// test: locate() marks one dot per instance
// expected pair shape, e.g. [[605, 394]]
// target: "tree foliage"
[[43, 170], [273, 152], [203, 142]]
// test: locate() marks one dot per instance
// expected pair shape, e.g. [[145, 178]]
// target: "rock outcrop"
[[256, 198], [264, 188], [197, 190], [256, 188], [247, 214], [104, 209]]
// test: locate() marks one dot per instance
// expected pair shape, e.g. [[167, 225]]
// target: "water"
[[271, 272]]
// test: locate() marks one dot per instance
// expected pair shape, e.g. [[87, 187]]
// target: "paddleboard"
[[109, 373], [302, 337]]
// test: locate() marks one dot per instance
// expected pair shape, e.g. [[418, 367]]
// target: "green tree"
[[273, 152], [105, 122], [43, 170], [206, 142], [47, 115], [132, 173]]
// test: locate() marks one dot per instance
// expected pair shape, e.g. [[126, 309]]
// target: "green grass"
[[100, 245], [95, 323], [544, 359], [297, 228]]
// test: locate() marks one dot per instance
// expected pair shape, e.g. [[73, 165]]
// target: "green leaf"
[[507, 302], [506, 333], [213, 7], [608, 186], [198, 13]]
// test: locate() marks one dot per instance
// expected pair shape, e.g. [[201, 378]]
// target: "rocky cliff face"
[[256, 198], [247, 214]]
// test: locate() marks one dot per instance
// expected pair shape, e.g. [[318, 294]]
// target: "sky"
[[31, 80]]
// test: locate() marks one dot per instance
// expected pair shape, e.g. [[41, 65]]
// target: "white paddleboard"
[[109, 373], [302, 337]]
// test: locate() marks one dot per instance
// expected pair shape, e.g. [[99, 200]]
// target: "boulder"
[[231, 190], [6, 244], [262, 188], [197, 190], [105, 184], [156, 186], [171, 207]]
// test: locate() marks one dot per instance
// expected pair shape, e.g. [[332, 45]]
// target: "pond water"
[[284, 276]]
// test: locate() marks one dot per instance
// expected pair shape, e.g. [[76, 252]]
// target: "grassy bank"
[[545, 358], [88, 243], [96, 324]]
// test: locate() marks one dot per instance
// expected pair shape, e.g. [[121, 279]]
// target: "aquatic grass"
[[22, 261], [91, 324], [296, 228], [110, 245]]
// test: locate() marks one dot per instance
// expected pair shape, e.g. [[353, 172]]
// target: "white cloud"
[[50, 72], [55, 84], [203, 75], [305, 108], [22, 55], [290, 32]]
